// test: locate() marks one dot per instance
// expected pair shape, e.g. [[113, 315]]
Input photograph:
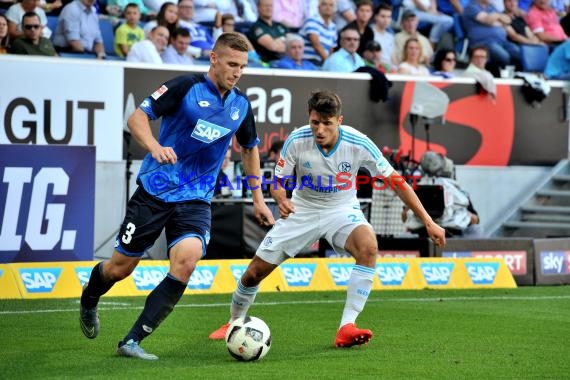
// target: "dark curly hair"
[[440, 56]]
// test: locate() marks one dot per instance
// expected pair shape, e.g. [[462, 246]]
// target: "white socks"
[[241, 301], [359, 286]]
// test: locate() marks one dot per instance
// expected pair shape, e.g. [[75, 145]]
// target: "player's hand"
[[436, 234], [263, 214], [286, 207], [164, 155]]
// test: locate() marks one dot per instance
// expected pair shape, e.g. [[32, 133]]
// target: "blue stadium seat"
[[533, 58], [108, 34], [52, 24]]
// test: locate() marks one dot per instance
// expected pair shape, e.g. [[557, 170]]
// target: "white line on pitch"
[[128, 306]]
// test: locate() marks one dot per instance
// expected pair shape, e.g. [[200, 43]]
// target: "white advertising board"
[[49, 101]]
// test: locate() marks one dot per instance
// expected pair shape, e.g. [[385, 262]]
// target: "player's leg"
[[187, 231], [247, 287], [246, 290], [357, 237], [284, 240], [139, 230], [161, 301], [103, 277]]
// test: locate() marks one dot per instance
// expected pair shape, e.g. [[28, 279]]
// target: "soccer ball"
[[248, 339]]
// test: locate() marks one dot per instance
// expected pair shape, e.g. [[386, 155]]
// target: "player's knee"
[[116, 272], [366, 253], [253, 276]]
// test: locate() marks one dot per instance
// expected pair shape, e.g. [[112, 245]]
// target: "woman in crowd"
[[411, 59], [4, 37], [167, 17], [444, 63]]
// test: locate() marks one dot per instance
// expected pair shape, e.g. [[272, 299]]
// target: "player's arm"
[[411, 200], [279, 194], [140, 129], [250, 160]]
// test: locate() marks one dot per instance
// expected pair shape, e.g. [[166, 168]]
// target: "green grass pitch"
[[521, 333]]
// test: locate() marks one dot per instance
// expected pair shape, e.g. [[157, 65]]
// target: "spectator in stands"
[[178, 47], [128, 33], [459, 217], [32, 42], [290, 13], [320, 33], [478, 57], [364, 11], [167, 16], [226, 23], [383, 35], [267, 36], [518, 31], [4, 35], [78, 29], [150, 49], [206, 10], [345, 13], [485, 25], [410, 30], [345, 59], [451, 7], [444, 63], [118, 8], [426, 11], [372, 56], [544, 22], [412, 59], [201, 41], [293, 59], [558, 64], [52, 7], [16, 12]]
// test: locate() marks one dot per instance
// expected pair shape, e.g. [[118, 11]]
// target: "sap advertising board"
[[45, 101]]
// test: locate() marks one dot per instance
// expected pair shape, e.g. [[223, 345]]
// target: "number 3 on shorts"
[[128, 235]]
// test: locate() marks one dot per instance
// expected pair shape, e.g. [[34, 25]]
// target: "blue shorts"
[[146, 217]]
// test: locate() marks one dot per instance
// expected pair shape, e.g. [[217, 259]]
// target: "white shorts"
[[307, 225]]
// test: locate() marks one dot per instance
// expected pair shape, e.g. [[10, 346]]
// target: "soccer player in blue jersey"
[[200, 114], [324, 155]]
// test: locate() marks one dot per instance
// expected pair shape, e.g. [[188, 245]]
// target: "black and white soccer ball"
[[248, 339]]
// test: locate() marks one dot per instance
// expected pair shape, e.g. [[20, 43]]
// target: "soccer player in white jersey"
[[324, 205]]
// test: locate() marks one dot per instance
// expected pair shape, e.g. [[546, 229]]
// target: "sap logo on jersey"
[[208, 132], [391, 274], [482, 273], [552, 262], [203, 277], [298, 274], [40, 280], [340, 273], [237, 271], [437, 273], [83, 274], [147, 278]]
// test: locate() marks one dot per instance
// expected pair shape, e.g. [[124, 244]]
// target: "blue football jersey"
[[198, 124]]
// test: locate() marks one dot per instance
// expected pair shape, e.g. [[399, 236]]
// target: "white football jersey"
[[328, 179]]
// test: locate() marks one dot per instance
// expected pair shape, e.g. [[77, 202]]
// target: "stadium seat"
[[108, 33], [533, 58], [52, 25]]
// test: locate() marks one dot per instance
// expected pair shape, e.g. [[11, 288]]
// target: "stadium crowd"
[[412, 37]]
